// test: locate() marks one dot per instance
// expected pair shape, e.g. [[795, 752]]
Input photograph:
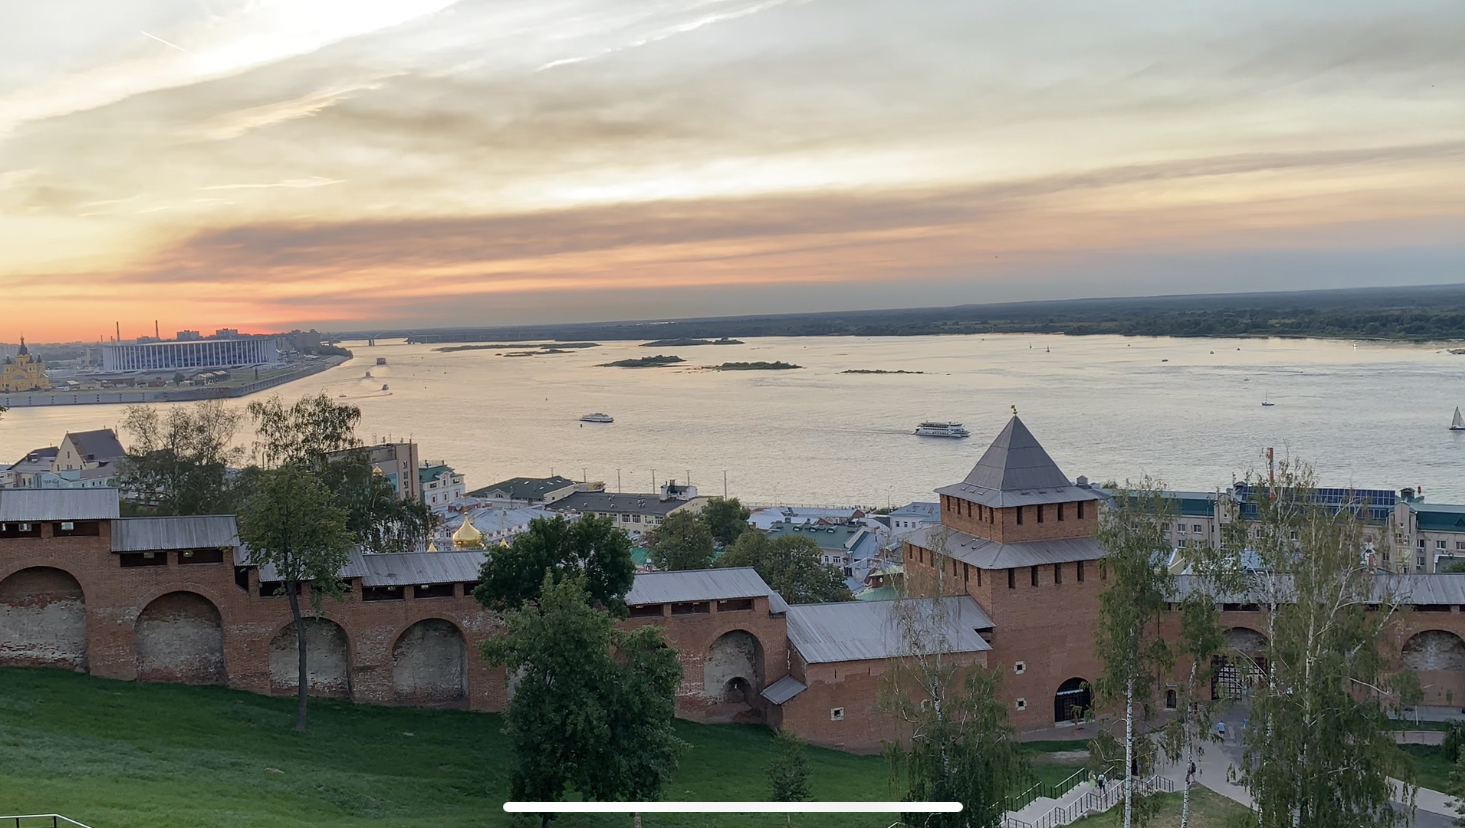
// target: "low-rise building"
[[398, 464], [528, 490], [87, 450], [22, 473], [633, 512], [439, 484], [765, 518], [1430, 536], [917, 515]]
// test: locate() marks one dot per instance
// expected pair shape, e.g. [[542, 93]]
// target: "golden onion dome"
[[467, 536]]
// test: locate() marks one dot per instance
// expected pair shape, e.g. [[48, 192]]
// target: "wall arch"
[[430, 664], [179, 637], [328, 659], [1434, 650], [732, 672], [1245, 640], [1072, 700], [43, 619]]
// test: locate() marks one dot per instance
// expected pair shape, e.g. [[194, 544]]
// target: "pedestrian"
[[1221, 730], [1190, 774], [1101, 785]]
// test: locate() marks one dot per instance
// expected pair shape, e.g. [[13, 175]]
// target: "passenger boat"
[[932, 429], [597, 417]]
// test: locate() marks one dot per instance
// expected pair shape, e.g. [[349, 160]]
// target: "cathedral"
[[23, 372]]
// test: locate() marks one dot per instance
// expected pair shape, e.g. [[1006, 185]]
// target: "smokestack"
[[156, 335], [118, 337]]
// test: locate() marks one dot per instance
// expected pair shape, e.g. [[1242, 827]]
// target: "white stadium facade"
[[190, 354]]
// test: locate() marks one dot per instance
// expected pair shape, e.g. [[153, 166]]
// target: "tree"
[[727, 518], [320, 434], [1133, 531], [292, 524], [682, 541], [791, 565], [590, 548], [1201, 638], [1318, 750], [961, 745], [180, 461], [788, 774], [592, 705]]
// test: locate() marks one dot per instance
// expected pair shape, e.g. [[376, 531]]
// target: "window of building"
[[377, 593], [1019, 516], [1034, 575], [20, 530], [1011, 578], [966, 573], [201, 556], [144, 558], [1460, 544], [1019, 667], [1040, 513], [1439, 544], [1103, 571], [979, 576], [1057, 573], [836, 714], [1080, 571], [635, 518], [1080, 509], [1180, 527], [735, 605], [1421, 562], [78, 529], [646, 611], [690, 608], [1421, 543], [1060, 511], [433, 591], [1021, 704], [1196, 529]]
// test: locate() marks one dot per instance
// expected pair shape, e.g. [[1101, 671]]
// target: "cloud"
[[292, 183]]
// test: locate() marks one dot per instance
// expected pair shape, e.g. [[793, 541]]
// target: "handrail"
[[56, 819]]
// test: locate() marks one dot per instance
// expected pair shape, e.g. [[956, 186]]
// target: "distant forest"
[[1414, 314]]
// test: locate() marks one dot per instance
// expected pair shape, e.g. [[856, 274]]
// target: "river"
[[1187, 411]]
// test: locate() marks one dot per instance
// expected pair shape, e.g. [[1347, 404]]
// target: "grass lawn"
[[1207, 810], [119, 754], [1431, 768]]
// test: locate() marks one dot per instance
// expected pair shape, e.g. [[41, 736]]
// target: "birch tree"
[[961, 746], [1318, 751], [1134, 531]]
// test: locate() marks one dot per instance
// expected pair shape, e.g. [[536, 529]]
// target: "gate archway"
[[1072, 701]]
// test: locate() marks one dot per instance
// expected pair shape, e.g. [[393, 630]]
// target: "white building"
[[439, 485], [189, 355]]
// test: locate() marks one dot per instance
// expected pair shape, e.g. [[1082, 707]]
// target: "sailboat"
[[1457, 424], [1266, 401]]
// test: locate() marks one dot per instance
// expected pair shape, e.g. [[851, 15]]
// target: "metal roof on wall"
[[866, 630], [784, 689], [702, 585], [151, 534], [36, 505], [989, 554]]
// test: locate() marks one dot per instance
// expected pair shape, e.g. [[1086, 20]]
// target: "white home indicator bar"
[[732, 807]]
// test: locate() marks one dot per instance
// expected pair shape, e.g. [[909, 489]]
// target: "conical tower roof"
[[1015, 461], [24, 351], [1017, 471]]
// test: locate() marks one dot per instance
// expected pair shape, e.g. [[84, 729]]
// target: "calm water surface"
[[1369, 415]]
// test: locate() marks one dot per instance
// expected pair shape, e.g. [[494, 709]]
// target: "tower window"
[[1034, 575]]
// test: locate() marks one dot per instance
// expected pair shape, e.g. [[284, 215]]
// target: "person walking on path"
[[1190, 773], [1221, 731]]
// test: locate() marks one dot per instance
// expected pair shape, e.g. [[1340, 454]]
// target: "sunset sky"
[[268, 164]]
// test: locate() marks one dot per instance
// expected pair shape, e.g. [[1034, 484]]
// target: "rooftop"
[[36, 505], [524, 488], [866, 630], [702, 585], [989, 554], [99, 444], [150, 534], [610, 503], [1016, 471]]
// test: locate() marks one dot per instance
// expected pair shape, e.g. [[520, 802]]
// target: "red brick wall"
[[115, 597], [1001, 524]]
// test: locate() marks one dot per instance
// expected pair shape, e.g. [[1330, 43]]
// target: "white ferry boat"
[[597, 417], [942, 430]]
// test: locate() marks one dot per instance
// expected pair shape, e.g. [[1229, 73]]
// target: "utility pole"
[[653, 480], [618, 481], [724, 484]]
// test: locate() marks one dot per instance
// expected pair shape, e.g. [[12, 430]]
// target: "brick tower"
[[1017, 536]]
